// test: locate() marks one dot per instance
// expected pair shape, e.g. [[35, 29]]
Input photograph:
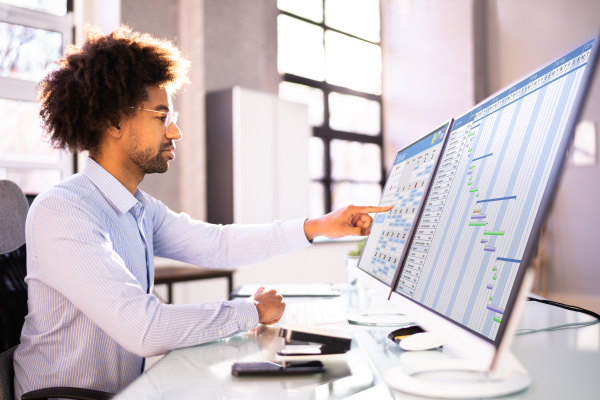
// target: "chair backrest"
[[7, 374], [13, 266]]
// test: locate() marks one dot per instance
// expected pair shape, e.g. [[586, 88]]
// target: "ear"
[[114, 131]]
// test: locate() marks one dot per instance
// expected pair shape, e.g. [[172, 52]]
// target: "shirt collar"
[[112, 190]]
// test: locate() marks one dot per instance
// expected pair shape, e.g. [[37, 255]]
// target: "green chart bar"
[[470, 183], [472, 133], [473, 190], [478, 224], [470, 150], [471, 167], [498, 320], [494, 233]]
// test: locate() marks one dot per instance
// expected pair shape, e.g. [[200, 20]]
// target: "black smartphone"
[[402, 333], [271, 368]]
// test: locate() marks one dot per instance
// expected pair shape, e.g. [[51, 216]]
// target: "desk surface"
[[563, 364]]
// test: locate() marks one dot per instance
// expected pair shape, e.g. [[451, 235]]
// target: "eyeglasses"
[[169, 116]]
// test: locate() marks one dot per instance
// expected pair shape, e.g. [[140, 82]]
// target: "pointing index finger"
[[368, 210]]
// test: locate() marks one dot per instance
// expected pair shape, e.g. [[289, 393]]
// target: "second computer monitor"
[[405, 189]]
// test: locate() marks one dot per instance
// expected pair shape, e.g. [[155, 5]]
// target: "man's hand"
[[269, 304], [346, 221]]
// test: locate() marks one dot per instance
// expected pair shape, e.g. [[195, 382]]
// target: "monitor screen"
[[470, 239], [405, 188]]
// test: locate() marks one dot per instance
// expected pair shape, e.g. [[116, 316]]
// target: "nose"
[[173, 132]]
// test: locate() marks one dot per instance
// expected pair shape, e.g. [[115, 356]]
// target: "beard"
[[146, 159]]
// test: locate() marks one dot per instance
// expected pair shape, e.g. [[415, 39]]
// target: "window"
[[32, 36], [329, 55]]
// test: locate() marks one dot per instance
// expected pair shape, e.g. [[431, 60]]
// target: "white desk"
[[563, 364]]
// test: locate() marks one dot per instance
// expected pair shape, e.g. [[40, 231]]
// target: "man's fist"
[[269, 304]]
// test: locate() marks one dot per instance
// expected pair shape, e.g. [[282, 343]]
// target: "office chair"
[[13, 297]]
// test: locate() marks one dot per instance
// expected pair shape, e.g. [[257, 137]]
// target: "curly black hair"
[[95, 85]]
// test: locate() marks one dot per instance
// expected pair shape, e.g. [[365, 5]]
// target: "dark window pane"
[[357, 17], [354, 114], [355, 161], [352, 63], [27, 53], [300, 48], [309, 9]]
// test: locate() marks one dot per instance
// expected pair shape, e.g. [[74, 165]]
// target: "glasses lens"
[[168, 120]]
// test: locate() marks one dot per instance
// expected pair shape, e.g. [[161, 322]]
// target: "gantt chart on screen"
[[484, 198], [404, 189]]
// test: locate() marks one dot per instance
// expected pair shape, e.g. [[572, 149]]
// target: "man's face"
[[149, 145]]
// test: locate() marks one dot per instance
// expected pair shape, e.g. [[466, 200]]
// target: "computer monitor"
[[406, 186], [469, 254]]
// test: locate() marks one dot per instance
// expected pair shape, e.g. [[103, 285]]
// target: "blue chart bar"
[[495, 309], [480, 216], [489, 286], [479, 158], [509, 260], [489, 249], [483, 241], [498, 199]]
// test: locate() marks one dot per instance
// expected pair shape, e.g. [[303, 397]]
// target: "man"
[[91, 239]]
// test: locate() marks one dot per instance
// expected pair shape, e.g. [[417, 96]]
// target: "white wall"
[[105, 14], [428, 64], [183, 187], [241, 45]]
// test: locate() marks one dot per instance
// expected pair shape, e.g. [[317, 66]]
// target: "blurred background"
[[366, 78]]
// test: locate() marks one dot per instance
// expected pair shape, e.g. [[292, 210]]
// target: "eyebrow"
[[162, 107]]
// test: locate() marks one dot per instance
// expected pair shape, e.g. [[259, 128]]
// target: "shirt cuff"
[[294, 234], [247, 314]]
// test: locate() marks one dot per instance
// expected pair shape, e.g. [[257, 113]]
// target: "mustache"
[[167, 146]]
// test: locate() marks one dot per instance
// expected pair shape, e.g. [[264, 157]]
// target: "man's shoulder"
[[75, 190]]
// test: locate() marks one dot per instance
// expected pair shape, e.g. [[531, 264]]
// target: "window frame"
[[324, 131], [18, 89]]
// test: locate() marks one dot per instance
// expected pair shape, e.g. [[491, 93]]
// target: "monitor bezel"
[[374, 282], [474, 338]]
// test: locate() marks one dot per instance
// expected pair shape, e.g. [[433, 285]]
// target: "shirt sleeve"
[[181, 238], [76, 258]]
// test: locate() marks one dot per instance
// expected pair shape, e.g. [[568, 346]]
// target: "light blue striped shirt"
[[90, 270]]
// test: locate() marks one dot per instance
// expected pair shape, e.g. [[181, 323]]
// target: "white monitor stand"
[[505, 375]]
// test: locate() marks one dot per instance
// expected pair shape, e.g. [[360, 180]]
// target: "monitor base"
[[450, 385]]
